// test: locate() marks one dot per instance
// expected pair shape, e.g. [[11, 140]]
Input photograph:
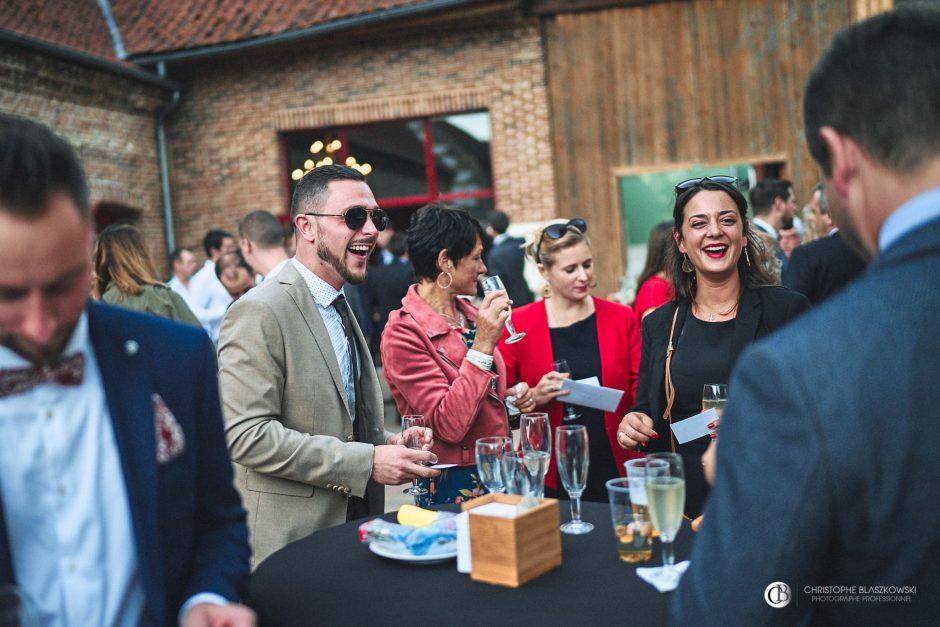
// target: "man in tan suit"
[[303, 407]]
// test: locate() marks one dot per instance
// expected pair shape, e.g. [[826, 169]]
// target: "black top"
[[577, 344], [706, 356]]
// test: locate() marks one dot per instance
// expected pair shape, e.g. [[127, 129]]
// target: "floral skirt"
[[453, 485]]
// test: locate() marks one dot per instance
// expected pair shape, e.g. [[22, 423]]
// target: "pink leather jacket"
[[423, 360]]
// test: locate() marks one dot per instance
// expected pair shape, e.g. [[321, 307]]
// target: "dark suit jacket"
[[760, 312], [827, 468], [507, 260], [382, 293], [822, 267], [188, 521]]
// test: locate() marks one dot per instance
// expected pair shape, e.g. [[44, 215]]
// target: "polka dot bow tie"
[[66, 371]]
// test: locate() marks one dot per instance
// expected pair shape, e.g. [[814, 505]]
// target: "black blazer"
[[822, 267], [507, 260], [761, 311]]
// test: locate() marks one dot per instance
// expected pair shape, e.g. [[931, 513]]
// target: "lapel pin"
[[131, 347]]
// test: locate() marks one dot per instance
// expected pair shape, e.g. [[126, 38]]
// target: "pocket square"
[[170, 438]]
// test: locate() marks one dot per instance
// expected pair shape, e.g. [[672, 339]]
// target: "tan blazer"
[[287, 422]]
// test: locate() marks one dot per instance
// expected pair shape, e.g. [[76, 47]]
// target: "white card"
[[442, 466], [588, 393], [694, 426]]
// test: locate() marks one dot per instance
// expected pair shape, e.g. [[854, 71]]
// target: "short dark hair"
[[262, 229], [397, 244], [499, 221], [752, 274], [231, 260], [765, 191], [213, 240], [312, 188], [436, 227], [35, 163], [879, 83], [177, 254]]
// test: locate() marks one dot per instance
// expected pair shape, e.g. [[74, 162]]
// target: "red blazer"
[[619, 340]]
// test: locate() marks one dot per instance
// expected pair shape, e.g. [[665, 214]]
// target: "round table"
[[330, 578]]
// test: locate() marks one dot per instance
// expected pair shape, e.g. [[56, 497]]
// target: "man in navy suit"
[[826, 506], [116, 498]]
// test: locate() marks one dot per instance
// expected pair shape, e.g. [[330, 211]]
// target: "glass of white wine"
[[572, 457], [665, 495], [714, 396], [495, 284]]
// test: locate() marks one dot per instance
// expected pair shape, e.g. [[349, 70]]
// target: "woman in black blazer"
[[725, 299]]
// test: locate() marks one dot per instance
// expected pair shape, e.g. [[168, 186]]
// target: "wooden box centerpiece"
[[511, 551]]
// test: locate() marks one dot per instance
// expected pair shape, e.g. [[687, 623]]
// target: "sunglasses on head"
[[356, 217], [696, 182], [557, 231]]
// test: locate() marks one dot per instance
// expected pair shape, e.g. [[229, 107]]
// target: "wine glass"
[[489, 454], [714, 396], [571, 453], [515, 475], [495, 284], [535, 433], [561, 365], [665, 494], [412, 438]]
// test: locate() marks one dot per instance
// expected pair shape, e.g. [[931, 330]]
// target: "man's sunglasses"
[[356, 217], [557, 231], [692, 183]]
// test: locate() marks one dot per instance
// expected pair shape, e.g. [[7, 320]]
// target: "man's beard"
[[336, 263]]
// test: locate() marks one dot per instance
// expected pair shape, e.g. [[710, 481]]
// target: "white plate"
[[384, 550]]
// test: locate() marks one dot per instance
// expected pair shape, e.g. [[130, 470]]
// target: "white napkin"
[[663, 578]]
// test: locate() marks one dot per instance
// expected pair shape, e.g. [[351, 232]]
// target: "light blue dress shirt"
[[913, 214]]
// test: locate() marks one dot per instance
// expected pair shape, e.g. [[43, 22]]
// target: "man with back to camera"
[[116, 497], [826, 505], [303, 407]]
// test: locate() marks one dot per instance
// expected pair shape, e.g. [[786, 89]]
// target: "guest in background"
[[262, 243], [236, 276], [598, 338], [182, 267], [390, 276], [788, 238], [725, 300], [506, 259], [209, 297], [125, 277], [654, 284], [439, 352]]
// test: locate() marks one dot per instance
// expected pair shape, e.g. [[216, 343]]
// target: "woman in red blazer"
[[596, 337]]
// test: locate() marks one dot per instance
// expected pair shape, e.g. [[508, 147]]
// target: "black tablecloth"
[[329, 578]]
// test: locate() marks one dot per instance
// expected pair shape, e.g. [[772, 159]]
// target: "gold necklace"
[[720, 314]]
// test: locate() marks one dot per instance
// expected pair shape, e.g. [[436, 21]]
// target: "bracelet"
[[479, 359]]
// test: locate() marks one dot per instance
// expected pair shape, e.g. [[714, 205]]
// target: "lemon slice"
[[415, 516]]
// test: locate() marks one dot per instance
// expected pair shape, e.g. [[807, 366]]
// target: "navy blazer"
[[827, 470], [507, 260], [822, 267], [188, 521]]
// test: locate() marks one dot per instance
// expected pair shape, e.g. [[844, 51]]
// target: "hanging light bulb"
[[327, 160], [366, 168], [297, 174], [336, 144], [350, 160], [308, 164], [316, 146]]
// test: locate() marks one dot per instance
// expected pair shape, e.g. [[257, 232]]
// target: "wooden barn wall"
[[679, 82]]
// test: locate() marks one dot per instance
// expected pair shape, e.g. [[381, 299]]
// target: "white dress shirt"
[[210, 299], [324, 294], [64, 499]]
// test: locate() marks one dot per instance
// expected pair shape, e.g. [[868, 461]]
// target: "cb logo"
[[777, 594]]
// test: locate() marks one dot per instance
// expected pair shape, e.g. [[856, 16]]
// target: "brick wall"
[[110, 121], [226, 157]]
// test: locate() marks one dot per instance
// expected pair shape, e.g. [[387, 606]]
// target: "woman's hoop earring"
[[546, 291], [747, 257], [687, 265], [449, 276]]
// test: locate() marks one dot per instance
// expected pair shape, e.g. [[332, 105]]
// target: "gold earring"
[[546, 291], [687, 265], [449, 283], [747, 257]]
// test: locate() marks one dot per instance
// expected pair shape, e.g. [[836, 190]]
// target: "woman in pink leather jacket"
[[439, 351]]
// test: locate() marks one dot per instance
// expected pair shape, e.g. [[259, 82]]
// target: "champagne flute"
[[495, 284], [665, 494], [536, 435], [412, 438], [489, 454], [561, 365], [714, 396], [571, 453]]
